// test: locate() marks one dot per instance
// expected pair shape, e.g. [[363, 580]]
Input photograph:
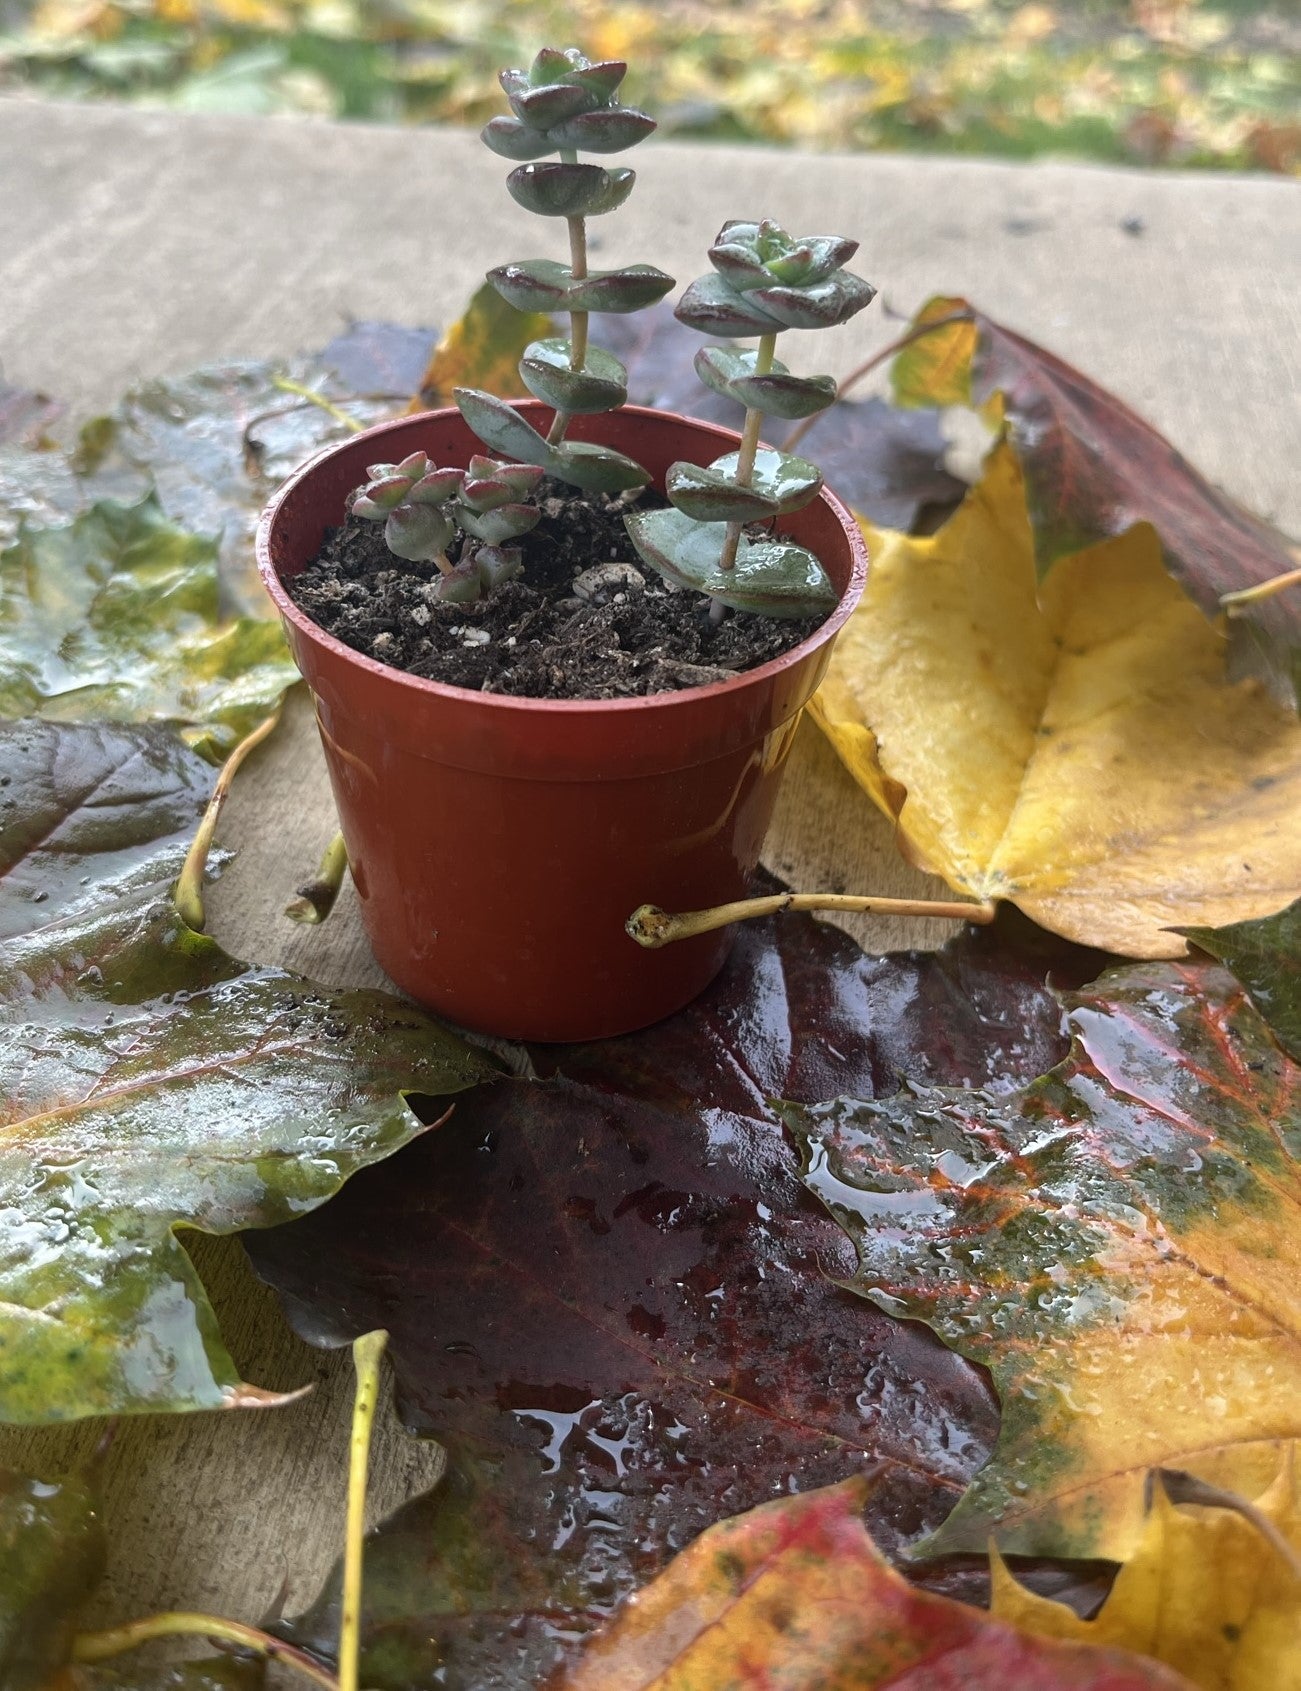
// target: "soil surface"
[[535, 637]]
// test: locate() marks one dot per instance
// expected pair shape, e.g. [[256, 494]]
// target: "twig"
[[316, 897], [1236, 603], [1181, 1487], [366, 1354], [178, 1623], [287, 385], [188, 892], [798, 433], [652, 927]]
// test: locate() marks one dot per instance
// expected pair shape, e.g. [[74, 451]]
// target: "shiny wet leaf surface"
[[152, 1082], [610, 1301], [1119, 1243]]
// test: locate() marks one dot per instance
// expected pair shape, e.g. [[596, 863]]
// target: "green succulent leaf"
[[542, 284], [115, 617], [820, 306], [730, 371], [52, 1556], [511, 139], [502, 522], [436, 488], [540, 108], [714, 308], [789, 482], [596, 469], [91, 812], [501, 427], [151, 1082], [461, 585], [496, 564], [570, 190], [601, 384], [709, 496], [419, 533], [772, 577], [489, 483], [608, 131]]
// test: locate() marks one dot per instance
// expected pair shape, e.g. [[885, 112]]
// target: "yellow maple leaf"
[[482, 349], [1071, 745], [1206, 1591]]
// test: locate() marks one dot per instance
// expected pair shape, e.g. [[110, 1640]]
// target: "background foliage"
[[1178, 82]]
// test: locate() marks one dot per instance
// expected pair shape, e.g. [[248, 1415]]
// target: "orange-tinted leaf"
[[1119, 1243], [795, 1597], [1093, 467], [482, 349]]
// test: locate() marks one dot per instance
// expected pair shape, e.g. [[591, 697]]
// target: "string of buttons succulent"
[[718, 533]]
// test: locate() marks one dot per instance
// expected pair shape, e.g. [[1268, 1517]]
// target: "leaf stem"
[[652, 927], [187, 895], [866, 368], [749, 449], [310, 394], [578, 320], [1235, 603], [366, 1354], [178, 1623], [316, 897]]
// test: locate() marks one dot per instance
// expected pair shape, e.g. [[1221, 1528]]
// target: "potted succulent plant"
[[499, 839]]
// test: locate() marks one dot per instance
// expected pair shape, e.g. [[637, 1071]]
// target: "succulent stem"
[[577, 319], [316, 897], [652, 927], [114, 1640], [366, 1354], [188, 892], [749, 447]]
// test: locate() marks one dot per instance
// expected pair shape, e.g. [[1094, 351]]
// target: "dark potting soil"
[[535, 637]]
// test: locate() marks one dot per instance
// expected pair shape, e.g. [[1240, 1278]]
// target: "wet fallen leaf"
[[1072, 744], [609, 1301], [151, 1082], [214, 444], [1093, 469], [51, 1558], [1265, 955], [794, 1595], [90, 812], [482, 349], [115, 617], [1205, 1591], [886, 463], [1119, 1243]]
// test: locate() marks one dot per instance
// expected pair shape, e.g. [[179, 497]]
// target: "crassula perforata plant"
[[565, 104], [423, 507], [764, 281]]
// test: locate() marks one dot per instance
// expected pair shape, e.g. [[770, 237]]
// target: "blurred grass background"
[[1156, 82]]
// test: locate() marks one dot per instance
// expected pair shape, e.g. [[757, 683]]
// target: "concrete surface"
[[133, 244]]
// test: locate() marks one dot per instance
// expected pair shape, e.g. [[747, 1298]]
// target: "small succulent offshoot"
[[764, 281], [423, 507], [565, 104]]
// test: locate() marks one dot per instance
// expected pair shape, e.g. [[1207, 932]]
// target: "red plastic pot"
[[499, 844]]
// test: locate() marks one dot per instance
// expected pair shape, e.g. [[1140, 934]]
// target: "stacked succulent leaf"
[[764, 281], [422, 507], [561, 104]]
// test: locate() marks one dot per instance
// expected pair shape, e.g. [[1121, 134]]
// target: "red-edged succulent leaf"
[[569, 190], [1118, 1243], [607, 1298], [794, 1596], [1093, 467], [607, 131], [543, 284]]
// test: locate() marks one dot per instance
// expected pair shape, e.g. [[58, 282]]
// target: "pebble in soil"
[[535, 637]]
